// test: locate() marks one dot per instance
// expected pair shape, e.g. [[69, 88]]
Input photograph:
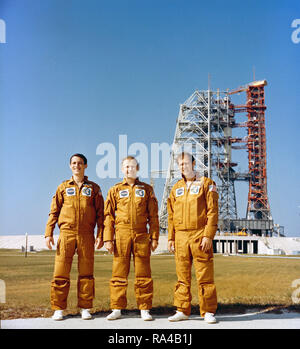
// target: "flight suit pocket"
[[178, 212], [122, 247], [67, 216], [66, 246], [181, 248], [87, 243], [198, 253], [140, 201], [141, 210], [192, 214], [142, 246], [193, 208], [58, 247]]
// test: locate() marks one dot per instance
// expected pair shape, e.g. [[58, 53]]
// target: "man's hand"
[[99, 243], [49, 242], [206, 244], [109, 245], [171, 246], [154, 244]]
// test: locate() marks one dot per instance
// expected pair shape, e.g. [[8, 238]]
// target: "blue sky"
[[74, 74]]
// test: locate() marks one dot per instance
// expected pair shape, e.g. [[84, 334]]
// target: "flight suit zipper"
[[79, 221], [186, 212], [131, 206]]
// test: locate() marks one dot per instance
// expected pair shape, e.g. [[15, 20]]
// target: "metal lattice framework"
[[203, 128]]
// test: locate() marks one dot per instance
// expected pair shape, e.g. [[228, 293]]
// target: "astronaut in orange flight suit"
[[129, 207], [76, 206], [192, 224]]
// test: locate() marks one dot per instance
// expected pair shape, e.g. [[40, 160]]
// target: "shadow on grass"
[[236, 308], [223, 309]]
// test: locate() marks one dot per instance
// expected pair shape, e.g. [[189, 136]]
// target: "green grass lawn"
[[241, 282]]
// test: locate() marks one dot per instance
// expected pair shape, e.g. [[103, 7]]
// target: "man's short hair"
[[80, 156], [184, 154], [130, 157]]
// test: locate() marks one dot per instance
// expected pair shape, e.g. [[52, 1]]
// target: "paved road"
[[251, 320]]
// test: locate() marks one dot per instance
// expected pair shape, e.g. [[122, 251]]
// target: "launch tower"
[[204, 127]]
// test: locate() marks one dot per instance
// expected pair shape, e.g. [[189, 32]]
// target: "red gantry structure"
[[258, 204], [204, 127]]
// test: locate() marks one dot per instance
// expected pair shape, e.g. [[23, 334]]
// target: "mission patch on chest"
[[71, 191], [195, 189], [179, 191], [124, 193], [140, 193], [86, 191]]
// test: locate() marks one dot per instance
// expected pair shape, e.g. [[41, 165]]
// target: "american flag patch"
[[213, 188]]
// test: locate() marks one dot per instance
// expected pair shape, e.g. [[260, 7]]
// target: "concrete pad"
[[254, 320]]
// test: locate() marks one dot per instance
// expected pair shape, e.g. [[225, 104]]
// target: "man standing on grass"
[[129, 207], [76, 206], [192, 224]]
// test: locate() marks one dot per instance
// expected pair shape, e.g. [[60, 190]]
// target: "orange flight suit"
[[193, 214], [128, 211], [76, 210]]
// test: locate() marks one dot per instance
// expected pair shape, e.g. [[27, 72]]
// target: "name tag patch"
[[195, 189], [139, 193], [179, 191], [86, 191], [124, 193], [71, 191]]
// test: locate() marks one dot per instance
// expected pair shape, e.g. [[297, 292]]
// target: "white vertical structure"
[[203, 129]]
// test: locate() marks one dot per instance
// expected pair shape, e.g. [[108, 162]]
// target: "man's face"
[[77, 166], [129, 168], [186, 166]]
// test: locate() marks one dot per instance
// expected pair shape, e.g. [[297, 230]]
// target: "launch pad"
[[205, 128]]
